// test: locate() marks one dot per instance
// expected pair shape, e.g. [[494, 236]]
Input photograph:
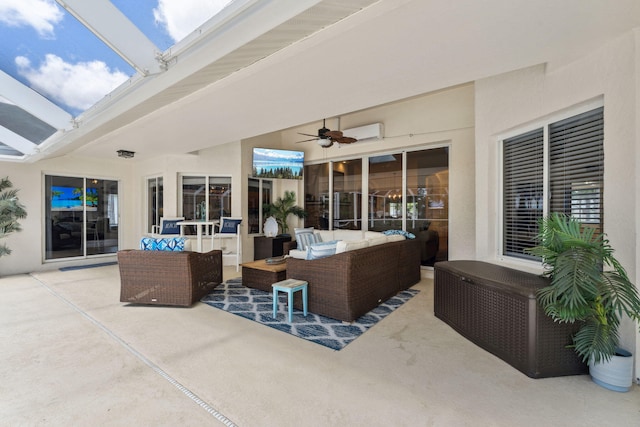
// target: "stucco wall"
[[519, 98], [27, 245]]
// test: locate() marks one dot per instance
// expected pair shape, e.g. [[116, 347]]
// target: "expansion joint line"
[[204, 405]]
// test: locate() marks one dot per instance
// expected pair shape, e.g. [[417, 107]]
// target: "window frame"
[[543, 123]]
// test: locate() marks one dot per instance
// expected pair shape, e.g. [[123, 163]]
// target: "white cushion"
[[297, 253], [345, 246], [372, 234], [374, 241], [350, 235], [395, 238], [326, 235]]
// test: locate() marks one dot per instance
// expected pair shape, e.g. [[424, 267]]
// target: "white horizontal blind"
[[522, 191], [576, 167]]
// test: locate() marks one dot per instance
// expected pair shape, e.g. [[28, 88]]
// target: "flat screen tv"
[[272, 163], [71, 198]]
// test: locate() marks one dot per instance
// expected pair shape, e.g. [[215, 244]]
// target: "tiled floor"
[[71, 354]]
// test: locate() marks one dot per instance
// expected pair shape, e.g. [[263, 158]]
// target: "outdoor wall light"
[[126, 154]]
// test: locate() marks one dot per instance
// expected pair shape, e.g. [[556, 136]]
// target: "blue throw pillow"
[[406, 234], [170, 226], [229, 225], [321, 250]]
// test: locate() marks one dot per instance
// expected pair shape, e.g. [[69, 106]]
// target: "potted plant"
[[11, 210], [590, 286], [282, 208]]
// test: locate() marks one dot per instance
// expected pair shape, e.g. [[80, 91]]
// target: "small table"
[[200, 226], [289, 286], [260, 275], [267, 247]]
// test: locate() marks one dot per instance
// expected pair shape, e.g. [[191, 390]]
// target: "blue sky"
[[47, 49]]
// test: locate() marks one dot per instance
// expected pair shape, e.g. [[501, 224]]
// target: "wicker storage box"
[[496, 308], [168, 278]]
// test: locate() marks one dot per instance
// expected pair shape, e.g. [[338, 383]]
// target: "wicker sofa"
[[167, 277], [347, 285]]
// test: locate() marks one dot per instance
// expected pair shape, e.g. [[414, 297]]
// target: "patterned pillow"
[[175, 244], [400, 232], [321, 250], [305, 237]]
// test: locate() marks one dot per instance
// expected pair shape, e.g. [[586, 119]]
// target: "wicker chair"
[[168, 278]]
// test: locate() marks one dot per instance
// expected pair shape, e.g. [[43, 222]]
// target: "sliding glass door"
[[81, 216]]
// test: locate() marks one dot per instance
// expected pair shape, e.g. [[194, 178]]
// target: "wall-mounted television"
[[71, 198], [272, 163]]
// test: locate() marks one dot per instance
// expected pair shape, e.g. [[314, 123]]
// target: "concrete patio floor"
[[73, 355]]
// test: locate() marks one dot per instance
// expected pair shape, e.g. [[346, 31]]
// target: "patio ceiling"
[[265, 65], [34, 124]]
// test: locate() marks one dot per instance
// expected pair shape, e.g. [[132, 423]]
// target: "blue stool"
[[289, 286]]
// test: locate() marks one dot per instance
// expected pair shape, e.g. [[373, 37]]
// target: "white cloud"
[[41, 15], [78, 86], [181, 17]]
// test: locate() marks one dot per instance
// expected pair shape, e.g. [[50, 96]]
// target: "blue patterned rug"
[[256, 305]]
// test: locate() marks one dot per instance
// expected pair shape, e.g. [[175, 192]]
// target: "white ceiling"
[[391, 50]]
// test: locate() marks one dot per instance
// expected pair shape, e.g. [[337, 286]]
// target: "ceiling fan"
[[327, 137]]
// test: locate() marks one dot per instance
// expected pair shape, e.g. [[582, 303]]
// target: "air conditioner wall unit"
[[367, 132]]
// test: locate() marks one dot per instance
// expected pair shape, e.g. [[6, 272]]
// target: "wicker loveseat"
[[347, 285], [168, 278]]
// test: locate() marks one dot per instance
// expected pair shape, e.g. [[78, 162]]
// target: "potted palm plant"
[[282, 208], [11, 210], [588, 285]]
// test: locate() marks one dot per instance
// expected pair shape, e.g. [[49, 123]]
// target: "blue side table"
[[289, 286]]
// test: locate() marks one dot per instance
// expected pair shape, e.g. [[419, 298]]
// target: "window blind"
[[522, 191], [576, 167]]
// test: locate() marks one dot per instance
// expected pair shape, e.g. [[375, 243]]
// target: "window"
[[258, 194], [205, 198], [570, 152], [155, 202]]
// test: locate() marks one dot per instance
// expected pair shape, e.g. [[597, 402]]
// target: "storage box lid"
[[495, 276]]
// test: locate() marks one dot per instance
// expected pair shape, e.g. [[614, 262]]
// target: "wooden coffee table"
[[260, 275]]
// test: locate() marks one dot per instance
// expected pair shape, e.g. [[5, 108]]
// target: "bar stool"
[[289, 286]]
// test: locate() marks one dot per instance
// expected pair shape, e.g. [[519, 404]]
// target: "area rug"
[[256, 305]]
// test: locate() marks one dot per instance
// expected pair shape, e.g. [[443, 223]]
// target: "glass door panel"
[[385, 192], [347, 194], [101, 216], [316, 199], [64, 217]]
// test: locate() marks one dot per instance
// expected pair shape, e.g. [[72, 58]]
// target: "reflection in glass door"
[[316, 196], [81, 217]]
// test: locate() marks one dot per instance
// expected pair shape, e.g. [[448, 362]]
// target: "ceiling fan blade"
[[346, 140], [306, 134], [307, 140], [333, 134]]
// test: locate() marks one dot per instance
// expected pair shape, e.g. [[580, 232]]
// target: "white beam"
[[34, 103], [106, 21], [16, 141]]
